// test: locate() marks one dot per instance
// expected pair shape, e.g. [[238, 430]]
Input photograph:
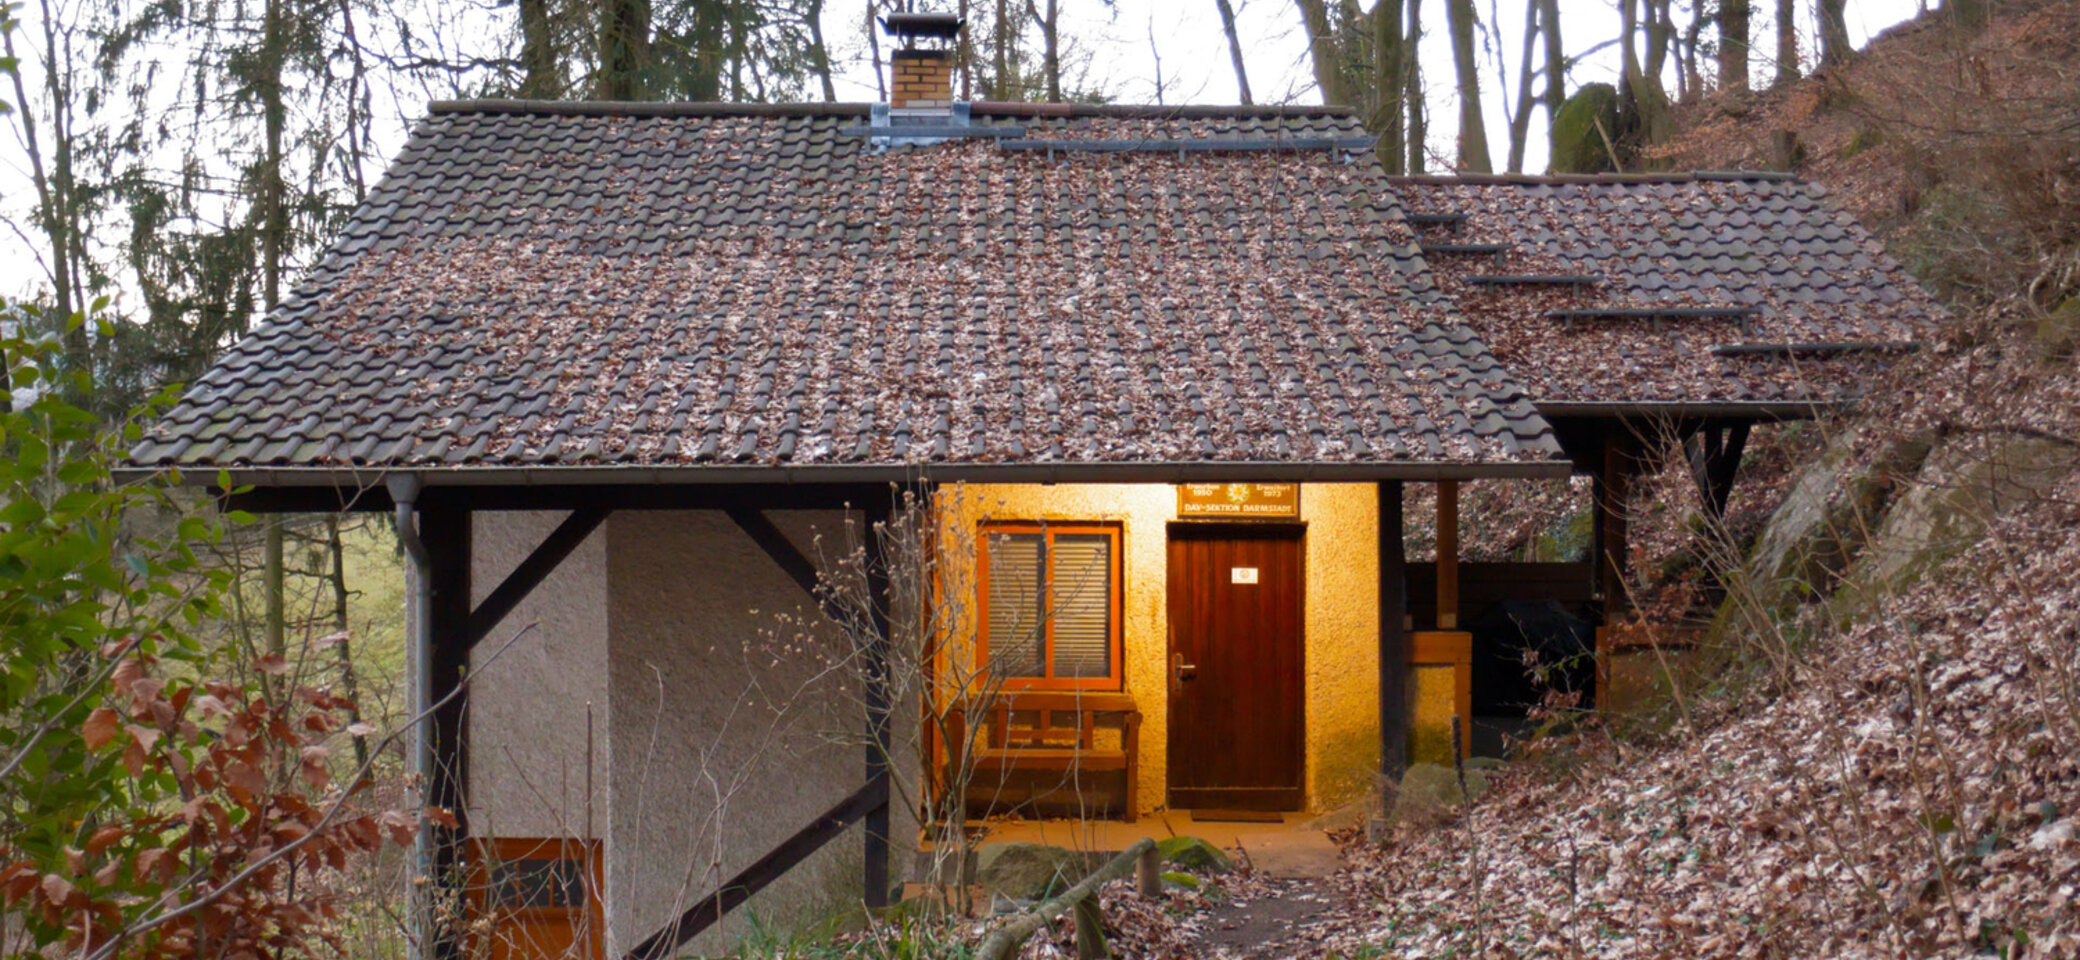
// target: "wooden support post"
[[878, 514], [1613, 499], [444, 526], [1448, 555], [1393, 634]]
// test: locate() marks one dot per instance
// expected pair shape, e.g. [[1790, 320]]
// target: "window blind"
[[1015, 623], [1082, 608]]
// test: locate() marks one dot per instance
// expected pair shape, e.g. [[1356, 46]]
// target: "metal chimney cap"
[[918, 26]]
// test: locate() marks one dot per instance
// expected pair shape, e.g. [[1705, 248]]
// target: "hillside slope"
[[1886, 765]]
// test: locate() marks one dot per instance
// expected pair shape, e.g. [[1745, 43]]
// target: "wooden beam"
[[701, 496], [1448, 555], [879, 513], [546, 557], [783, 552], [1613, 498], [782, 858], [1393, 634], [445, 529]]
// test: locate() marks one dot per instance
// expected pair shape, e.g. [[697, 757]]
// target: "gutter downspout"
[[404, 492]]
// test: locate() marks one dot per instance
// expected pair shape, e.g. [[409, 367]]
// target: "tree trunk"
[[1050, 39], [335, 545], [539, 80], [1390, 77], [1227, 10], [1556, 59], [624, 52], [1787, 43], [1473, 134], [1412, 91], [874, 50], [1834, 34], [1520, 121], [1001, 57], [1322, 52], [1660, 35], [820, 53], [53, 187], [1733, 44]]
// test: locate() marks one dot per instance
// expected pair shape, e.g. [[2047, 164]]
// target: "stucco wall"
[[727, 714], [529, 697], [1342, 660]]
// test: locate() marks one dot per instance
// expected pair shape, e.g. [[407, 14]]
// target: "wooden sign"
[[1244, 501]]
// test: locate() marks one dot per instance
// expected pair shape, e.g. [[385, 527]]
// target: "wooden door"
[[1237, 708], [539, 898]]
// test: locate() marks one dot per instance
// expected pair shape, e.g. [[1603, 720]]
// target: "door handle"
[[1180, 671]]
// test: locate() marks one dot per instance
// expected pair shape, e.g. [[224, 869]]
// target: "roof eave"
[[628, 475]]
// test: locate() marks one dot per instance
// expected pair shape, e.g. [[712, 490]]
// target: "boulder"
[[1965, 483], [1584, 130], [1429, 791], [1192, 853], [1028, 871], [2059, 331]]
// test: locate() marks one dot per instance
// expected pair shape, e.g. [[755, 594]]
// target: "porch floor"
[[1293, 847]]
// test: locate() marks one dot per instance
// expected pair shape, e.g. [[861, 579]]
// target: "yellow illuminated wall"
[[1342, 617]]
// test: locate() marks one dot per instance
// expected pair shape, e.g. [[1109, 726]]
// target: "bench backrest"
[[1030, 718]]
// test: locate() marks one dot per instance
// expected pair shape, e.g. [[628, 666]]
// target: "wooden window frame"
[[1115, 679]]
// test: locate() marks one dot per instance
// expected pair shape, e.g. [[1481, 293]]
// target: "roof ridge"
[[622, 108], [1692, 176]]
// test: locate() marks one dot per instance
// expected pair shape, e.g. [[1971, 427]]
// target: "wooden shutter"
[[1016, 628], [1082, 608]]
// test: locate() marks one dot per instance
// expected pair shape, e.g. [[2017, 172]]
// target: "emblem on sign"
[[1235, 501], [1242, 574]]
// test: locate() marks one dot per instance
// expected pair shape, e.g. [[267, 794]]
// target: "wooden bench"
[[1031, 730]]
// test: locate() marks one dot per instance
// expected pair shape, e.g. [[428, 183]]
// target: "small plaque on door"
[[1242, 574]]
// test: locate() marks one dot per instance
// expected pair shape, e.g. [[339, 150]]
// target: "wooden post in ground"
[[1148, 874], [1090, 930]]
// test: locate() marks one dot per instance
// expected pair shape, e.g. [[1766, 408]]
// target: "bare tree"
[[1227, 10], [1519, 114], [1834, 33], [1323, 51], [1473, 134], [1050, 24], [1555, 58], [1787, 43], [1733, 43], [1391, 90], [1412, 90]]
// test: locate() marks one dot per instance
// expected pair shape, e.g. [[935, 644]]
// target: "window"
[[1050, 604]]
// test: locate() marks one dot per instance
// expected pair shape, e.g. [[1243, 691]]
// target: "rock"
[[1429, 791], [2059, 331], [1585, 130], [1192, 853], [1807, 547], [1175, 880], [1964, 483], [1028, 871]]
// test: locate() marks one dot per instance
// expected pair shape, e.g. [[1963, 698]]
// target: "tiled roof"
[[1695, 286], [553, 285]]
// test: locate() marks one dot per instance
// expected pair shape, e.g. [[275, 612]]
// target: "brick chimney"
[[923, 80], [923, 67]]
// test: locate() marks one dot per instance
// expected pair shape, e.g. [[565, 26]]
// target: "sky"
[[1138, 51]]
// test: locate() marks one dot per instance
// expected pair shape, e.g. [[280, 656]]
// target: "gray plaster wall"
[[734, 719], [529, 697]]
